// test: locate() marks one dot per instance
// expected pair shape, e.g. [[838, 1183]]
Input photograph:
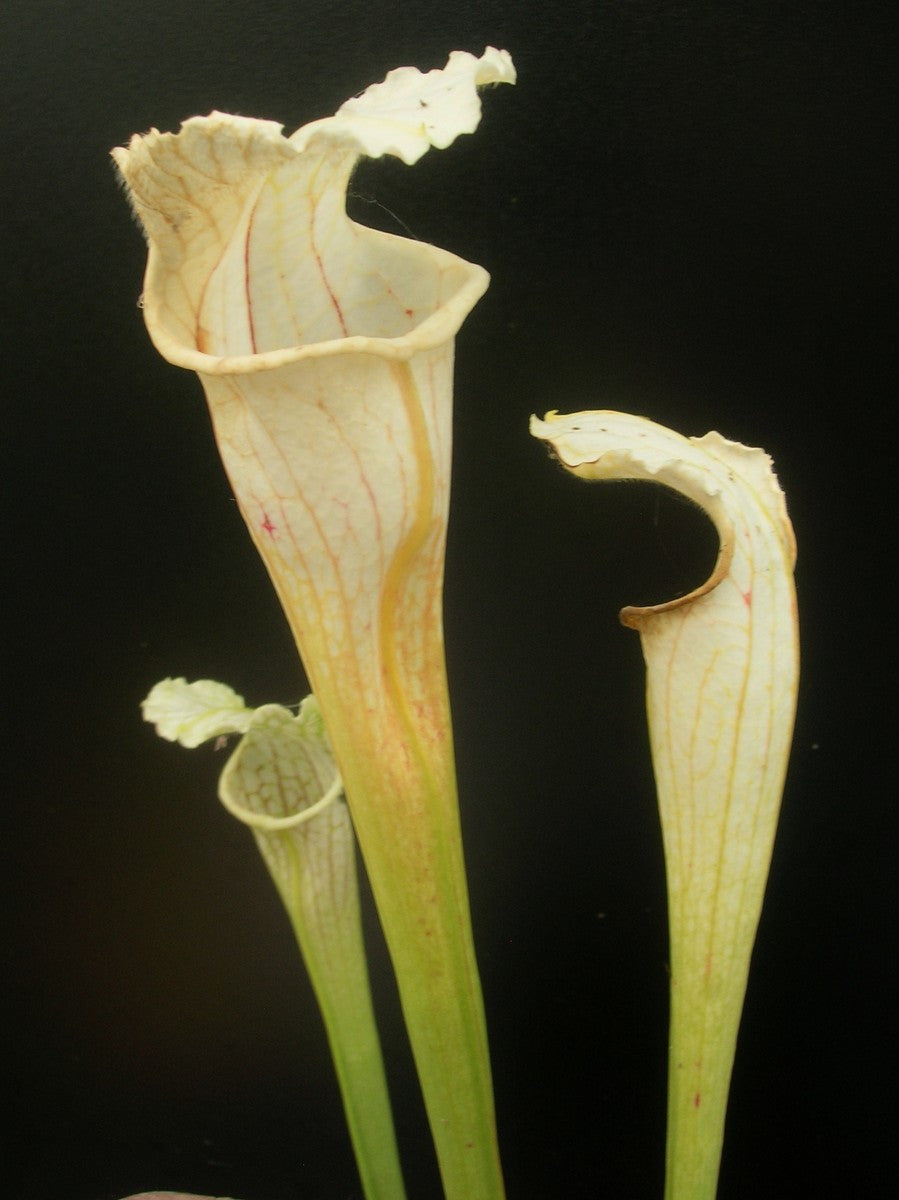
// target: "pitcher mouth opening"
[[408, 328], [254, 262]]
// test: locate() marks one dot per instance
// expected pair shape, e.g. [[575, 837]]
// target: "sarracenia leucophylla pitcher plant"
[[722, 668], [325, 350], [282, 782]]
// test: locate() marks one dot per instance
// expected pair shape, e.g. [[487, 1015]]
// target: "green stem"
[[418, 885], [706, 1003], [330, 939]]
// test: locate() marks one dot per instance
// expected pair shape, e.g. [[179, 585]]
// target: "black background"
[[685, 211]]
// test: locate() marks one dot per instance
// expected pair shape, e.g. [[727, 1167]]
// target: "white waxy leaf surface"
[[722, 669], [325, 349]]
